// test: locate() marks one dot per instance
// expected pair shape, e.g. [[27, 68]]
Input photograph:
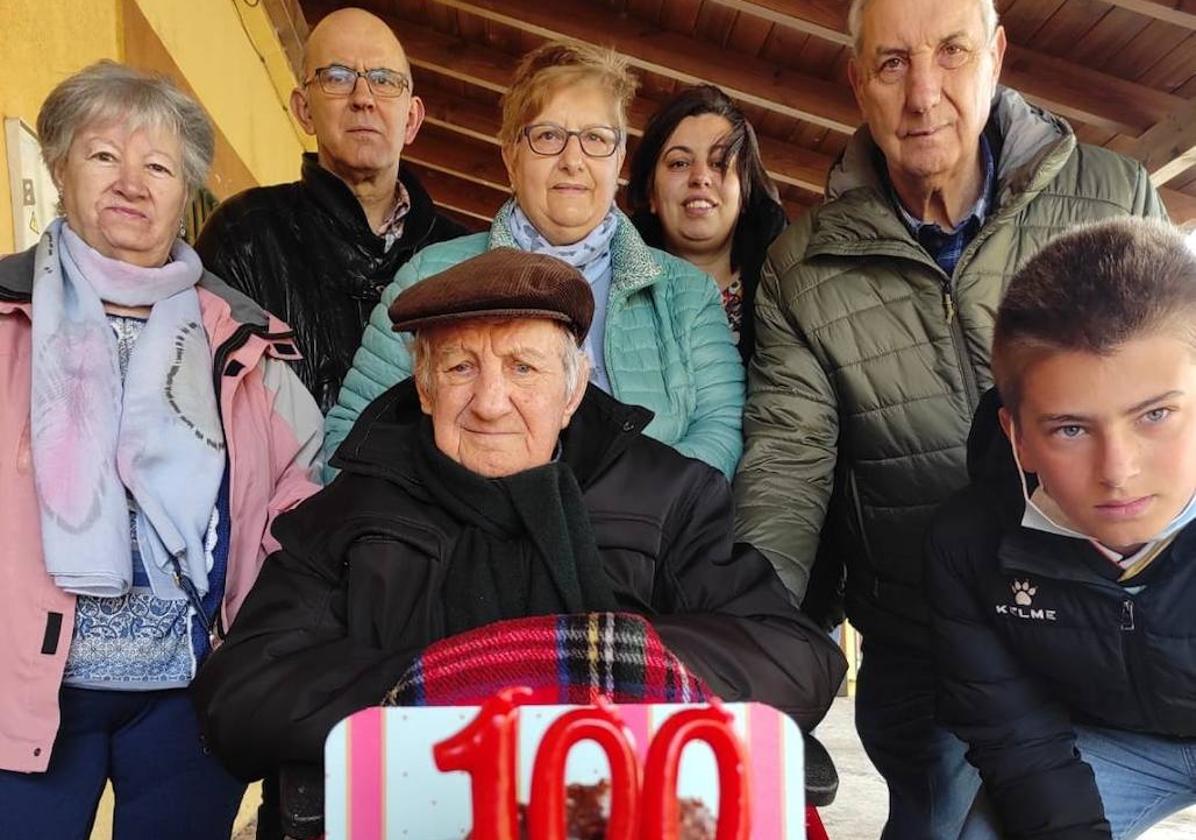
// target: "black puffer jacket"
[[1033, 631], [353, 597], [305, 252]]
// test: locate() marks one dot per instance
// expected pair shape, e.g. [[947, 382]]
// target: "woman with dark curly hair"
[[699, 190]]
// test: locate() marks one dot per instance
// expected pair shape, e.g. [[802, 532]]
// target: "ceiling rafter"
[[1169, 148], [1072, 90], [1177, 12], [688, 60]]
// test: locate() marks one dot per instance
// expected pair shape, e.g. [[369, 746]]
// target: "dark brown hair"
[[759, 204], [1091, 290]]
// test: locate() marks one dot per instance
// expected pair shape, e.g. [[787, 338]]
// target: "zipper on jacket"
[[959, 342], [1130, 647], [242, 334]]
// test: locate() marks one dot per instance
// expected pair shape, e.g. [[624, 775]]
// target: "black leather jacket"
[[305, 252], [354, 595]]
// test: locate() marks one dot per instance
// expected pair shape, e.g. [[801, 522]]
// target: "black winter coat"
[[306, 252], [1032, 632], [354, 595]]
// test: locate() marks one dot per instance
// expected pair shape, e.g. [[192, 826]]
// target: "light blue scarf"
[[590, 256], [158, 436]]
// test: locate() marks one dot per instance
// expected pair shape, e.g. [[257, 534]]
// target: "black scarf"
[[526, 547]]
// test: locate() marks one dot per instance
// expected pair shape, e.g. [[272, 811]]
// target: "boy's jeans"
[[1142, 780]]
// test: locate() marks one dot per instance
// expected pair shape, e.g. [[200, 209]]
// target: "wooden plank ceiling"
[[1122, 71]]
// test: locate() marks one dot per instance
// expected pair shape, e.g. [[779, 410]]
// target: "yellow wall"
[[40, 44], [223, 51], [231, 59]]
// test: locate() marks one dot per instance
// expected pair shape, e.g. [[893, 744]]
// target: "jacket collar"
[[379, 445], [858, 218], [634, 265], [338, 202]]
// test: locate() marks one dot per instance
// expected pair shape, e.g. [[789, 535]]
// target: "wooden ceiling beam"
[[1177, 12], [688, 60], [487, 68], [1072, 90], [1085, 95], [455, 154], [466, 197], [1180, 206], [1170, 147]]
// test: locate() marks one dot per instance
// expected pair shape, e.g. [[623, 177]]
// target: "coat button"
[[37, 751], [628, 426]]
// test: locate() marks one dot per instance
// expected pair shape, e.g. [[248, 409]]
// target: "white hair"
[[106, 91], [855, 21], [573, 357]]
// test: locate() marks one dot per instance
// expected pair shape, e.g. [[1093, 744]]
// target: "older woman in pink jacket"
[[150, 429]]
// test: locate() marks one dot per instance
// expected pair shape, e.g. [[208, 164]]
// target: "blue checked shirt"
[[946, 246]]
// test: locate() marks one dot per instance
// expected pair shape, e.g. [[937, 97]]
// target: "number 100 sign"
[[451, 772]]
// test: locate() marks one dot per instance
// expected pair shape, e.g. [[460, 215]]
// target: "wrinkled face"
[[695, 187], [123, 191], [497, 393], [924, 80], [566, 195], [360, 134], [1112, 439]]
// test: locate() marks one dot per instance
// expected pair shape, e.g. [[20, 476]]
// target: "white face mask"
[[1053, 520]]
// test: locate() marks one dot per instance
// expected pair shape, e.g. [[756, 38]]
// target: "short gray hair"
[[855, 21], [107, 91], [420, 347]]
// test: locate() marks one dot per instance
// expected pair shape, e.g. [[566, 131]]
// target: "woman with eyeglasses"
[[699, 189], [660, 338]]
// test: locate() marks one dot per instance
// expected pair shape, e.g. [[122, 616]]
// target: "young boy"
[[1063, 581]]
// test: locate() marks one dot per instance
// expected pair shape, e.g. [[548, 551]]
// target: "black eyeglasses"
[[597, 141], [339, 80]]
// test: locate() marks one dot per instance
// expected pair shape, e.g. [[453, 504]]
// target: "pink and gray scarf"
[[158, 437]]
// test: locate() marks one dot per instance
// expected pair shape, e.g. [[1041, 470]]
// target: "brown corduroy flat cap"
[[501, 282]]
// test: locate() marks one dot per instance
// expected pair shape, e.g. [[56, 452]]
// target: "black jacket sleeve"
[[722, 609], [1020, 739], [298, 659], [225, 247]]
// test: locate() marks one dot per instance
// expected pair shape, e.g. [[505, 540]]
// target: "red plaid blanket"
[[564, 659]]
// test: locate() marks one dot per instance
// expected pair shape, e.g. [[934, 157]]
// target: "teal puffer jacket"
[[668, 346]]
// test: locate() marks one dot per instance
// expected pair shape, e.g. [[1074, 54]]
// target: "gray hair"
[[107, 91], [420, 347], [855, 21]]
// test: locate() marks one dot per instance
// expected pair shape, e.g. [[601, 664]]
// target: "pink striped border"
[[764, 734], [639, 722], [367, 775]]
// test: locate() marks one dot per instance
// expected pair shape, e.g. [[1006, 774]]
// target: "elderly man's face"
[[496, 393], [924, 79]]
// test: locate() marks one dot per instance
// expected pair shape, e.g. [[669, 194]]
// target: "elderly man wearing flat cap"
[[492, 515]]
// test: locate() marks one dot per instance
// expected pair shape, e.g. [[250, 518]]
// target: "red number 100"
[[487, 749]]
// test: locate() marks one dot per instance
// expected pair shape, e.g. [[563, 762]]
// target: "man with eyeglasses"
[[319, 251]]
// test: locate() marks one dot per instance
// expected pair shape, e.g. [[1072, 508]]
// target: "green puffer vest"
[[668, 345], [870, 360]]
